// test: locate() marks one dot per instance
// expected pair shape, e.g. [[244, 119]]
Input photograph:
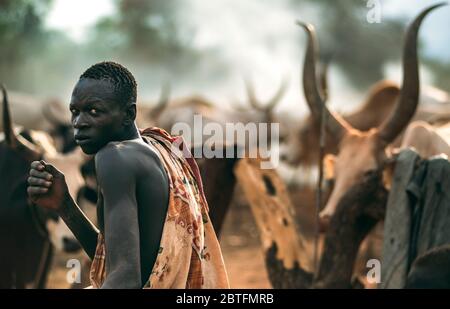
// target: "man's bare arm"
[[83, 229], [47, 188], [116, 176]]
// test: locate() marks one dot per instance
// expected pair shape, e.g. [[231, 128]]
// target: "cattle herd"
[[357, 146]]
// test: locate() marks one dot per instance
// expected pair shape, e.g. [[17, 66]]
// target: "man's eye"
[[73, 111], [93, 111]]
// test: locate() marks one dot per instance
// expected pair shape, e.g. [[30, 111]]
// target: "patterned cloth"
[[189, 255]]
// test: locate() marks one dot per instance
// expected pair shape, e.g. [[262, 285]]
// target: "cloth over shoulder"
[[189, 255]]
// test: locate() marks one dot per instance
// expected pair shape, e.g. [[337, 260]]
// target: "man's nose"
[[80, 121]]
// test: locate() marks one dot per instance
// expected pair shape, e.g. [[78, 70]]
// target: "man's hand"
[[46, 185]]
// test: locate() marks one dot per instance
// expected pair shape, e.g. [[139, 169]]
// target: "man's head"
[[103, 105]]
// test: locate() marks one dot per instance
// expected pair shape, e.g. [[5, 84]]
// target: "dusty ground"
[[240, 245], [239, 241]]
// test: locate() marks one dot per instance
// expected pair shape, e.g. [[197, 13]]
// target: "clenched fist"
[[46, 185]]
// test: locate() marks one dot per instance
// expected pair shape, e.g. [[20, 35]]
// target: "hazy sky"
[[256, 37], [75, 17]]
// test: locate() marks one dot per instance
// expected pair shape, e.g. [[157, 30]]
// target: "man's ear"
[[130, 114]]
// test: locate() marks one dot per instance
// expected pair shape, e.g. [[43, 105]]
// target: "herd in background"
[[357, 143]]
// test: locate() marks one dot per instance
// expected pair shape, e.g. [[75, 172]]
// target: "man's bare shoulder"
[[130, 156]]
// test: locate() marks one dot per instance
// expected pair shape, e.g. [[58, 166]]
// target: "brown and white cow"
[[428, 140], [359, 152], [302, 144]]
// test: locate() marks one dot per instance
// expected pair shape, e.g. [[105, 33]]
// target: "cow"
[[428, 140], [192, 115], [29, 234], [148, 114], [301, 146], [263, 111], [360, 152], [363, 203], [47, 115]]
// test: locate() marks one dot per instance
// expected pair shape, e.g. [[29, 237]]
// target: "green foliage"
[[156, 34], [147, 31], [22, 35]]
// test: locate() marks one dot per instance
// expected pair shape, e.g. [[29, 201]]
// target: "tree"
[[147, 32], [21, 35], [355, 44]]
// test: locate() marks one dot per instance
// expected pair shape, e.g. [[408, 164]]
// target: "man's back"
[[134, 198]]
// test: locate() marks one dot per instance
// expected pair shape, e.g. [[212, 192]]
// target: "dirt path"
[[240, 244]]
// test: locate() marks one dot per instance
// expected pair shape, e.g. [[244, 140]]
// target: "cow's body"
[[428, 140], [195, 116], [33, 113], [23, 245], [29, 233]]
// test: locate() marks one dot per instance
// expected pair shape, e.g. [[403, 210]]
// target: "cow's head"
[[262, 114], [17, 152], [298, 141], [361, 152], [265, 109], [303, 143], [62, 132]]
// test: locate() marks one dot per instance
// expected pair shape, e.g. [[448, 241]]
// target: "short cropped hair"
[[120, 77]]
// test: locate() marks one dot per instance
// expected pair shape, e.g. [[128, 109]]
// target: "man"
[[154, 229]]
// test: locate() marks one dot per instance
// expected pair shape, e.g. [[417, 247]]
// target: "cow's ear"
[[388, 173], [328, 166]]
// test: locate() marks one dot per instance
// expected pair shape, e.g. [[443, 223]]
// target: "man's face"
[[97, 117]]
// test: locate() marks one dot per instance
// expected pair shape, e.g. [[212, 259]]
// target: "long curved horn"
[[335, 124], [163, 101], [10, 137], [269, 106], [323, 79], [409, 94], [278, 95], [16, 142], [251, 96]]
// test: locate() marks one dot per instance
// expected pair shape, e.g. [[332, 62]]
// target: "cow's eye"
[[368, 173]]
